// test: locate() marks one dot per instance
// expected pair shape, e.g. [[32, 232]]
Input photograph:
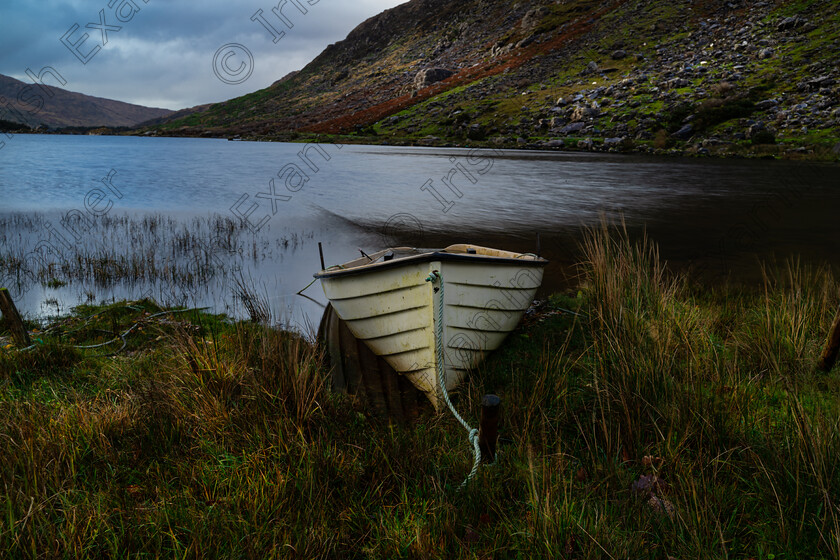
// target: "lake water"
[[718, 216]]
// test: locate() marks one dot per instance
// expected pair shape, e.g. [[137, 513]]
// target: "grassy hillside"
[[647, 418], [699, 77], [25, 104]]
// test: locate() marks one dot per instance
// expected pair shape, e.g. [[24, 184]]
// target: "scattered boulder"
[[581, 112], [684, 133], [590, 68], [821, 82], [617, 143], [585, 144], [677, 83], [791, 23], [618, 54], [499, 50], [572, 128], [766, 104], [429, 76], [534, 17], [558, 143], [766, 52], [526, 41], [476, 132], [754, 129]]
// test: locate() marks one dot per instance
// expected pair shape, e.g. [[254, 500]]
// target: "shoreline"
[[821, 153]]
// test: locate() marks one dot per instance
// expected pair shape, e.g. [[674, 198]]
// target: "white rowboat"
[[391, 301]]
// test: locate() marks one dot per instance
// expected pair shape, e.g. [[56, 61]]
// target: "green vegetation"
[[649, 417], [660, 66]]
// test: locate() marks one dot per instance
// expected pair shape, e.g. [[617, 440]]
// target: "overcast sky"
[[163, 53]]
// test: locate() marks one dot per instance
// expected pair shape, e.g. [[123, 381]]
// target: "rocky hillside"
[[713, 77], [35, 108]]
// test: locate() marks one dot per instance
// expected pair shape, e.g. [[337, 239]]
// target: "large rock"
[[429, 76], [533, 18], [677, 83], [766, 104], [685, 132], [582, 112], [572, 128], [755, 129], [791, 23], [590, 68], [821, 82], [526, 41], [616, 143]]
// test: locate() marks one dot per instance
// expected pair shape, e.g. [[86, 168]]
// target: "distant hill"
[[697, 76], [69, 109]]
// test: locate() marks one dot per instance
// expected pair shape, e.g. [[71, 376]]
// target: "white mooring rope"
[[436, 276]]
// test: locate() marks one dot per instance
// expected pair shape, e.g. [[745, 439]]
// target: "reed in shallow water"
[[151, 253]]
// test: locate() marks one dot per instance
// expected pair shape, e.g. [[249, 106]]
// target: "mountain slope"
[[704, 76], [67, 108]]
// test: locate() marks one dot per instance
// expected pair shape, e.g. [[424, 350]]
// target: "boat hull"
[[395, 312]]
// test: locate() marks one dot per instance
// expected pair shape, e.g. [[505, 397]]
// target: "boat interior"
[[398, 253]]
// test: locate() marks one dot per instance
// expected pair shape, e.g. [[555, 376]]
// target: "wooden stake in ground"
[[488, 431], [10, 313], [829, 355]]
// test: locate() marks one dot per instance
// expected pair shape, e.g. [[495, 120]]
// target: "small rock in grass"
[[661, 505], [648, 484]]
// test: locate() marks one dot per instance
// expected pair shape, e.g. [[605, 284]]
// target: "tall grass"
[[661, 420]]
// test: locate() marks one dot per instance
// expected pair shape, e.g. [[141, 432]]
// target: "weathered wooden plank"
[[356, 370], [339, 380], [374, 388], [350, 359], [10, 313]]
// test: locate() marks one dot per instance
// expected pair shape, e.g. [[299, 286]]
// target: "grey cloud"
[[163, 56]]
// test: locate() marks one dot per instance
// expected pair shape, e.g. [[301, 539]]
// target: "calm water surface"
[[721, 217]]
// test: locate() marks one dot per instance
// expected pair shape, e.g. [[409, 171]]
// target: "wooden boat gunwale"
[[439, 255]]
